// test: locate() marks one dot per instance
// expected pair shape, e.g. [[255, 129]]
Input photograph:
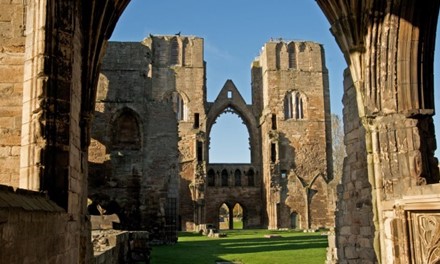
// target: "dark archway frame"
[[74, 35]]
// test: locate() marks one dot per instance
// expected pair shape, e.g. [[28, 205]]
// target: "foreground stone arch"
[[389, 48]]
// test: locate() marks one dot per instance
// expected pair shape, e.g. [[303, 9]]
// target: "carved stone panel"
[[424, 234]]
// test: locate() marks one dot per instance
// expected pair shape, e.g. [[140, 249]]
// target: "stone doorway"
[[294, 220], [238, 217], [224, 217]]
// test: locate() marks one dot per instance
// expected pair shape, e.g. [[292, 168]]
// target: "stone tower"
[[291, 91], [178, 77]]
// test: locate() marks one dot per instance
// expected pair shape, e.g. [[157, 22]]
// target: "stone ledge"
[[26, 200]]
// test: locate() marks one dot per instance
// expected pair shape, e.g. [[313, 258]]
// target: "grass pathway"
[[246, 247]]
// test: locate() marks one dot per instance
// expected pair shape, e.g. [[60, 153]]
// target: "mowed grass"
[[244, 246]]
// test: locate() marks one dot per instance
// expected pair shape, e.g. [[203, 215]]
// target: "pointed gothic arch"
[[126, 130], [291, 49], [295, 105], [236, 104], [179, 102]]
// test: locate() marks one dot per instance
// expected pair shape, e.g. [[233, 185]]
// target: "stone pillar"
[[34, 81], [389, 48]]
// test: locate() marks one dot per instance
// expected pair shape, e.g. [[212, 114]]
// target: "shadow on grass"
[[195, 248]]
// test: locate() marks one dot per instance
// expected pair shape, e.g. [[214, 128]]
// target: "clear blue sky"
[[234, 32]]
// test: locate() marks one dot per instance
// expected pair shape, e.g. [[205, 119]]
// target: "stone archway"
[[230, 98], [388, 46]]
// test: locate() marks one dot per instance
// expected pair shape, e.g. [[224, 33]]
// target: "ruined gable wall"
[[12, 48]]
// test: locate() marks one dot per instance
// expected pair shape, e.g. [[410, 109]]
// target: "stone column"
[[388, 46]]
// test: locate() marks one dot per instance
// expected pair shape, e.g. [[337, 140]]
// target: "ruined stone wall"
[[167, 91], [354, 214], [133, 165], [164, 90], [12, 48], [293, 83], [33, 229], [243, 187]]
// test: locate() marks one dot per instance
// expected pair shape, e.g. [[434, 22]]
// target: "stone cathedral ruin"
[[150, 137], [51, 57]]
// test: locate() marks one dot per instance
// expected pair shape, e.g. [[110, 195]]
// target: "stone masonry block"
[[351, 252]]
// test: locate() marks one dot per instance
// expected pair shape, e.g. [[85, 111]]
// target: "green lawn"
[[245, 246]]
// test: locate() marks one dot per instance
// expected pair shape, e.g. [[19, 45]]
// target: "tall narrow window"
[[292, 56], [278, 56], [196, 120], [274, 122], [273, 152], [299, 107], [225, 177], [250, 176], [288, 111], [211, 177], [179, 106], [174, 52], [229, 94], [294, 106], [199, 151], [237, 176]]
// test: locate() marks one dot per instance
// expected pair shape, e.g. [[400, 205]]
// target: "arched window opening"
[[294, 220], [278, 56], [126, 132], [196, 120], [225, 178], [292, 56], [174, 52], [224, 217], [199, 151], [288, 109], [298, 107], [179, 106], [251, 176], [211, 177], [230, 145], [237, 177], [294, 106], [237, 213], [273, 152], [274, 121]]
